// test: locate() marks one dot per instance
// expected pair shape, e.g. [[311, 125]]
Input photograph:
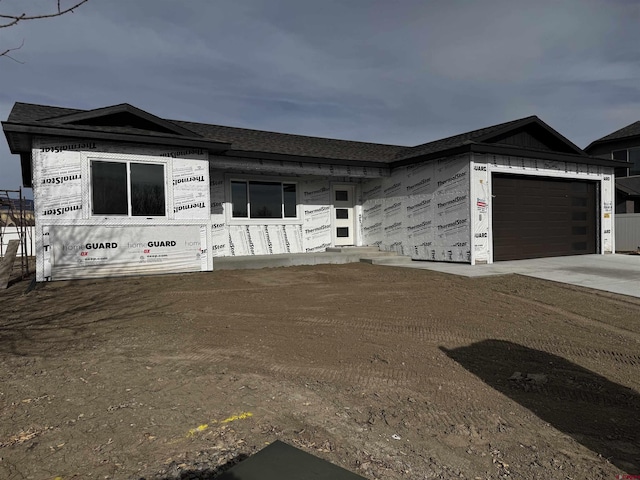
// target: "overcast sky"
[[389, 71]]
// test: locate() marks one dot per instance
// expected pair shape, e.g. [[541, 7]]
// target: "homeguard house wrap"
[[119, 191]]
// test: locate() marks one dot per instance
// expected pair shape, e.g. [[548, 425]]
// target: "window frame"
[[248, 220], [129, 214], [633, 172]]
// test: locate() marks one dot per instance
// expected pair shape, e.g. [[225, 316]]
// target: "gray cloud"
[[401, 72]]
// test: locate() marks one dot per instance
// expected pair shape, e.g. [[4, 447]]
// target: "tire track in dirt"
[[195, 356], [584, 352], [413, 330], [349, 374], [442, 334], [595, 398], [369, 378], [611, 297], [581, 319]]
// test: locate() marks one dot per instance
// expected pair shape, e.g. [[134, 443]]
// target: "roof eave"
[[305, 159], [449, 152], [543, 155], [621, 140], [32, 130], [497, 149]]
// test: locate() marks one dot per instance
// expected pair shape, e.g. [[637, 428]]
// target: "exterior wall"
[[421, 210], [482, 166], [310, 232], [438, 210], [73, 243], [235, 237]]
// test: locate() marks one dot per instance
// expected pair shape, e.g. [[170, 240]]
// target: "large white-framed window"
[[263, 199], [127, 188]]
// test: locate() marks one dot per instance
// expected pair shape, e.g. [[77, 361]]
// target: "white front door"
[[343, 215]]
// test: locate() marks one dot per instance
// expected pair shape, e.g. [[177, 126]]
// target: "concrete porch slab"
[[610, 273]]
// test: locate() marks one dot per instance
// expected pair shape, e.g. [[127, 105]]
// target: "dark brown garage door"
[[542, 217]]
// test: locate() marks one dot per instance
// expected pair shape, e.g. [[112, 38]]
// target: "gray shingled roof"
[[242, 139], [257, 141], [632, 130], [29, 112], [629, 185]]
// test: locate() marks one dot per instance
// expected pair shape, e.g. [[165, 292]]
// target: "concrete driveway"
[[611, 273]]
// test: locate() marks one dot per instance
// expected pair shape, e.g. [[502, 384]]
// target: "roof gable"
[[530, 133], [533, 135], [123, 115]]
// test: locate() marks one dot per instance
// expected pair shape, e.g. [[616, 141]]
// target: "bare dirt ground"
[[389, 372]]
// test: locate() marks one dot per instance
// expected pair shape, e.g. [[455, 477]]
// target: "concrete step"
[[364, 249], [386, 260], [286, 260], [335, 255]]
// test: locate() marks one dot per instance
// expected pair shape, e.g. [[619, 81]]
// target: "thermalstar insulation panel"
[[65, 225], [421, 210]]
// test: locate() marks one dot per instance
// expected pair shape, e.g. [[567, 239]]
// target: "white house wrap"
[[119, 191]]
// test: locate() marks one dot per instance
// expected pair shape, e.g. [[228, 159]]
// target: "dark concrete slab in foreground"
[[280, 461]]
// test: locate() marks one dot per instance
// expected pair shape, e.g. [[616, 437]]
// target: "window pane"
[[289, 193], [634, 160], [342, 196], [621, 172], [239, 199], [342, 213], [342, 232], [109, 188], [619, 155], [265, 199], [147, 190]]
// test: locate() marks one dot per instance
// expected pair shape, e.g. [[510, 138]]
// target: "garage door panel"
[[542, 217]]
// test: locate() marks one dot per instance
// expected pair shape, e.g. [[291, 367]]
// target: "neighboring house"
[[624, 145], [119, 191]]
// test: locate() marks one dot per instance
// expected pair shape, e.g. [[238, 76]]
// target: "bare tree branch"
[[9, 50], [11, 20]]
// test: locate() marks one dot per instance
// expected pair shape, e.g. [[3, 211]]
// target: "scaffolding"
[[14, 219]]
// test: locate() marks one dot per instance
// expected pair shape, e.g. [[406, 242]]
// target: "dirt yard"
[[389, 372]]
